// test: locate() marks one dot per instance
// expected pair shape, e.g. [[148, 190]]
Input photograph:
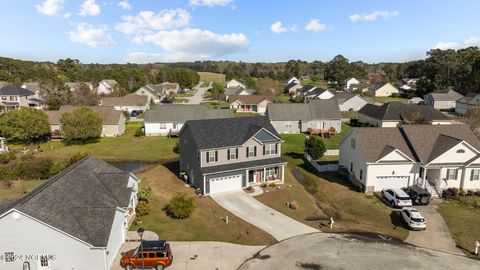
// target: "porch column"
[[265, 174], [283, 170], [247, 177], [424, 184]]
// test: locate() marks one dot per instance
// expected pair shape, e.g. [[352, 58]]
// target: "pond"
[[132, 166]]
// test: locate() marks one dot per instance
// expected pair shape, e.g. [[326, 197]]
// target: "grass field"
[[390, 99], [283, 99], [463, 221], [211, 77], [205, 224], [295, 142], [17, 188], [126, 147]]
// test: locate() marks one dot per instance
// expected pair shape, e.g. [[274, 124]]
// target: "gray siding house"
[[221, 155], [442, 99], [77, 219], [298, 117]]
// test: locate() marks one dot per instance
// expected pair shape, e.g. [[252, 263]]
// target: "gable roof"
[[342, 97], [80, 201], [348, 79], [231, 91], [306, 88], [15, 90], [379, 85], [316, 92], [109, 82], [249, 99], [314, 110], [240, 84], [128, 100], [108, 114], [445, 95], [183, 112], [396, 111], [292, 84], [470, 99], [167, 86], [225, 132]]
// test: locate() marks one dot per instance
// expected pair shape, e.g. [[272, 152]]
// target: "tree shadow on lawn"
[[173, 167]]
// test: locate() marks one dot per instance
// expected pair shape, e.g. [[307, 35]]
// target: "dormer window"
[[460, 151]]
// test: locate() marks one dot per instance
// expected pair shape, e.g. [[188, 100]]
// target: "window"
[[361, 174], [252, 151], [475, 175], [163, 126], [352, 143], [4, 98], [212, 156], [151, 255], [232, 153], [351, 166], [460, 151], [271, 173], [269, 149], [13, 98], [452, 174]]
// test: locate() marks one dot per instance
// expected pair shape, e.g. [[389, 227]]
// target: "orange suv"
[[153, 254]]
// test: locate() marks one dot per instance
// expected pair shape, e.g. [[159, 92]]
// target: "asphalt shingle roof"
[[183, 112], [470, 99], [396, 111], [15, 90], [314, 110], [80, 201], [248, 99], [108, 114], [128, 100], [218, 133]]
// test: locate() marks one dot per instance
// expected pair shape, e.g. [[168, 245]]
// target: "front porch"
[[265, 175], [247, 108], [437, 179]]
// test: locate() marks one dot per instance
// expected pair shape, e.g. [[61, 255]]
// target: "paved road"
[[256, 213], [330, 251], [202, 255], [436, 236], [198, 96]]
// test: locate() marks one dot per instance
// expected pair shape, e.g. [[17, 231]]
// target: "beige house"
[[383, 89], [249, 103], [113, 120], [442, 99], [128, 103]]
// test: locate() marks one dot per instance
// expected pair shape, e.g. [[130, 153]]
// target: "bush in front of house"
[[145, 194], [180, 206], [143, 208], [138, 132], [315, 147]]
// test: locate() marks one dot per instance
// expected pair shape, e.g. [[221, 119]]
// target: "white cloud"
[[92, 36], [50, 7], [278, 28], [468, 42], [210, 3], [315, 26], [125, 5], [89, 8], [149, 21], [191, 44], [370, 17], [67, 15]]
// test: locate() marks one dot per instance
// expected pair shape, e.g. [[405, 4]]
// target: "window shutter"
[[236, 152], [471, 174], [228, 154], [247, 152], [264, 149], [216, 156], [255, 151], [276, 148], [456, 174], [208, 157]]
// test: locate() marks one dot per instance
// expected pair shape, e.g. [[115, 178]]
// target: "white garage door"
[[224, 184], [383, 182]]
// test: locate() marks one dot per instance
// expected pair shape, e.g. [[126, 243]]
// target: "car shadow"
[[397, 219]]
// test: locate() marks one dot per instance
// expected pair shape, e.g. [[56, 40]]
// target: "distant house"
[[128, 103], [349, 102], [394, 114], [222, 155], [106, 87], [14, 96], [415, 100], [73, 86], [442, 99], [154, 93], [249, 103], [162, 120], [298, 117], [292, 88], [305, 78], [234, 83], [113, 120], [471, 100], [292, 80], [383, 89], [317, 93], [351, 83], [169, 88], [78, 219], [237, 91]]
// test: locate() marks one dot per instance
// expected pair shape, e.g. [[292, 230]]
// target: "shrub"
[[82, 125], [272, 185], [176, 148], [249, 189], [127, 115], [77, 157], [470, 193], [138, 132], [4, 158], [180, 206], [263, 185], [145, 194], [315, 147], [453, 191], [462, 192], [57, 167], [143, 208]]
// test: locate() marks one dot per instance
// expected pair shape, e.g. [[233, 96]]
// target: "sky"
[[144, 31]]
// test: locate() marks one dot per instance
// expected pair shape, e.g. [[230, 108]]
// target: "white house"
[[128, 103], [317, 93], [442, 99], [383, 89], [348, 102], [434, 157], [77, 219], [106, 87], [234, 83], [415, 100], [292, 80], [249, 103], [351, 83]]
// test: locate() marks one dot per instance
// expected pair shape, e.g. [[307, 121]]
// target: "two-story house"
[[15, 96], [221, 155]]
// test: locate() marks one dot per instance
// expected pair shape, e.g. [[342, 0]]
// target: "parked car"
[[413, 218], [151, 254], [396, 197], [135, 113], [418, 195]]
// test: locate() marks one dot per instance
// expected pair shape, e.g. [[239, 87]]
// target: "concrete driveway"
[[198, 96], [335, 251], [256, 213], [202, 255], [436, 236]]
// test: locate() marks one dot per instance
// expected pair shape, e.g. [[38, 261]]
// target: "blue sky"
[[119, 31]]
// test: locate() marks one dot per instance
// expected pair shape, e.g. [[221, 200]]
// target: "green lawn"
[[123, 148], [390, 99], [243, 114], [463, 221], [295, 142], [350, 115], [217, 104], [321, 84], [283, 99]]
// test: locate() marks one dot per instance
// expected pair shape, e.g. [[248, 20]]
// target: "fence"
[[321, 168], [332, 152]]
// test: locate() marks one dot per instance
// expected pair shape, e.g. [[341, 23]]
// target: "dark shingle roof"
[[396, 111], [378, 86], [15, 90], [183, 112], [80, 201], [242, 165], [314, 110], [290, 85], [218, 133], [470, 99]]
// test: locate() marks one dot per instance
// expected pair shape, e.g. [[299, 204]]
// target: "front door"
[[174, 126]]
